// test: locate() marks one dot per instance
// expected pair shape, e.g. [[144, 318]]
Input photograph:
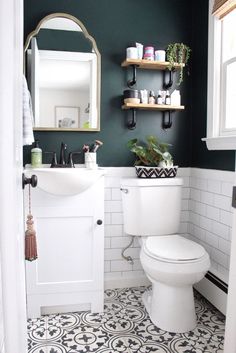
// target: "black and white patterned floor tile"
[[124, 327]]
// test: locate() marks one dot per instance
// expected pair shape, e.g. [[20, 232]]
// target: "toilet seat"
[[173, 249]]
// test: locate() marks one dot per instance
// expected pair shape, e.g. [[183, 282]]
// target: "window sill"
[[220, 143]]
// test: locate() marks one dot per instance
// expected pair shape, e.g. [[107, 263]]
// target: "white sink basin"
[[65, 181]]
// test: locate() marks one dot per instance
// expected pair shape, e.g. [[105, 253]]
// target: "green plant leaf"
[[131, 143], [151, 153]]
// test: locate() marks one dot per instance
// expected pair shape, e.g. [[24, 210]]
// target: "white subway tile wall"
[[210, 215], [206, 217]]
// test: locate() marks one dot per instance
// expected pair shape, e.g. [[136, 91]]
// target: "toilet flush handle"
[[124, 190]]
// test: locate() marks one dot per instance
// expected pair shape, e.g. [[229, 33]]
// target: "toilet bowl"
[[172, 263]]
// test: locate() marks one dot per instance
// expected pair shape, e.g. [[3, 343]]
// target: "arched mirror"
[[62, 67]]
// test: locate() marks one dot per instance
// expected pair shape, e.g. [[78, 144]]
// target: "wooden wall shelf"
[[151, 65], [160, 107], [165, 109]]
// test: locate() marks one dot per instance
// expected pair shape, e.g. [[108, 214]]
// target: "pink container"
[[149, 53]]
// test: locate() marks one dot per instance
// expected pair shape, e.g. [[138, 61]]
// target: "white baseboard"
[[113, 283], [211, 292]]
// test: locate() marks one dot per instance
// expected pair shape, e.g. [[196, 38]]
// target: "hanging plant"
[[178, 53]]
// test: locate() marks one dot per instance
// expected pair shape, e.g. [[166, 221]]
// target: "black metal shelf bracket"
[[133, 81], [166, 124], [168, 84], [132, 124]]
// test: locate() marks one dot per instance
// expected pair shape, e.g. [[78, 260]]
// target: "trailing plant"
[[178, 53], [152, 153]]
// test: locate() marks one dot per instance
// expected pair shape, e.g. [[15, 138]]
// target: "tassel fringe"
[[30, 240]]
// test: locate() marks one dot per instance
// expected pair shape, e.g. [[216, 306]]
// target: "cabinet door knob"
[[33, 180], [99, 222]]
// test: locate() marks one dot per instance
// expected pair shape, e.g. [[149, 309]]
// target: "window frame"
[[214, 140], [223, 130]]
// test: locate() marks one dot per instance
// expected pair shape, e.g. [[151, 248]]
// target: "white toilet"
[[172, 263]]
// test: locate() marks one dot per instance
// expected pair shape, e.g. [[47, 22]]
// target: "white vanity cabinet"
[[69, 272]]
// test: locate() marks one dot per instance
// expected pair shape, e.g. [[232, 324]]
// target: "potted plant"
[[153, 158], [178, 53]]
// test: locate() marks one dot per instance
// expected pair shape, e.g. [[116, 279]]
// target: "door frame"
[[11, 201], [230, 328]]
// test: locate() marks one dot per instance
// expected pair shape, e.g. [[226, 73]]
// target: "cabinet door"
[[69, 269]]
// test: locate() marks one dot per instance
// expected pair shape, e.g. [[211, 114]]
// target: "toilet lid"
[[174, 247]]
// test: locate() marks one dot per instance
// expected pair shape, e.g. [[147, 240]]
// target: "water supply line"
[[128, 258]]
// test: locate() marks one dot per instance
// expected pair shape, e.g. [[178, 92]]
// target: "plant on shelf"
[[153, 153], [178, 53]]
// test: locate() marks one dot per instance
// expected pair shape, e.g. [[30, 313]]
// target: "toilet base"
[[171, 308]]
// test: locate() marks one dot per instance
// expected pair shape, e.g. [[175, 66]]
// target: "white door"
[[12, 304]]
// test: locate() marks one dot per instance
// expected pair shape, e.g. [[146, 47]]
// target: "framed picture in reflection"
[[67, 117]]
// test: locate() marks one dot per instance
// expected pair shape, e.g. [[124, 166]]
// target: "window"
[[228, 74], [221, 114]]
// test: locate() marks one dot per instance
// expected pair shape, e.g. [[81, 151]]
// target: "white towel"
[[28, 118]]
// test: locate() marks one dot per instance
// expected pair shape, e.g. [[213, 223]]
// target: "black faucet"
[[62, 159]]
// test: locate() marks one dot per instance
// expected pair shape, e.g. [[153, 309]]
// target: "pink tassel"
[[30, 240]]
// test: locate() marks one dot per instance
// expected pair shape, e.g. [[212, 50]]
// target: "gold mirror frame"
[[96, 51]]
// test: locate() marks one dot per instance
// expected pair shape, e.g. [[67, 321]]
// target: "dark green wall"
[[116, 25], [48, 39], [201, 157]]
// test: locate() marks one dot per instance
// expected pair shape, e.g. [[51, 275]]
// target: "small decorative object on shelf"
[[131, 96], [139, 46], [151, 98], [160, 55], [149, 53], [178, 53], [132, 53], [167, 99], [159, 98], [153, 158], [144, 96]]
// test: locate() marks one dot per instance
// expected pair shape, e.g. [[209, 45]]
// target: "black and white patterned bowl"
[[156, 172]]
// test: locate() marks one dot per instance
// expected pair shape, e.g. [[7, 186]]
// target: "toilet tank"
[[151, 206]]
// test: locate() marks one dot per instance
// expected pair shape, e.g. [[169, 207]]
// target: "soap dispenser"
[[36, 155]]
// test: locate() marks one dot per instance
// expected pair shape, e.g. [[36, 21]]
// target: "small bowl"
[[131, 93], [132, 100]]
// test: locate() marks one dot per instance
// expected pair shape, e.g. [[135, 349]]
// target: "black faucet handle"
[[62, 160], [70, 159], [54, 159]]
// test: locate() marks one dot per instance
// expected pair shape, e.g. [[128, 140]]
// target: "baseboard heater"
[[217, 281], [215, 290]]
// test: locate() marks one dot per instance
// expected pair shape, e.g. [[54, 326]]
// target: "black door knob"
[[99, 222], [32, 181]]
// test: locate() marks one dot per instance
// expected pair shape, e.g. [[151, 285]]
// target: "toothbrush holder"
[[90, 159]]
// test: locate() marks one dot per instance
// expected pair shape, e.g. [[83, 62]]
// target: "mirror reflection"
[[63, 75]]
